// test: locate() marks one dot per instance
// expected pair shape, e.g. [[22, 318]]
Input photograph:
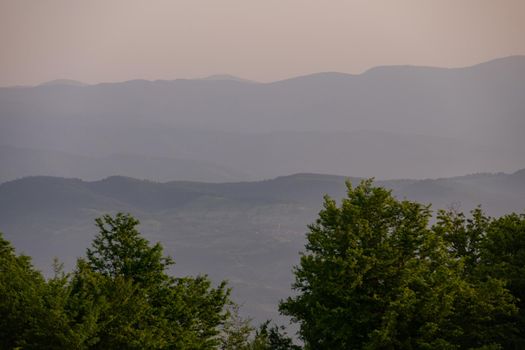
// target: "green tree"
[[123, 284], [486, 308], [272, 338], [119, 250], [120, 296], [375, 276], [32, 314], [493, 251], [503, 257], [236, 331], [240, 335], [21, 289], [464, 236]]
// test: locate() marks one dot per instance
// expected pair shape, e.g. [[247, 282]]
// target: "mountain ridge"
[[63, 82], [421, 123], [223, 229], [230, 77]]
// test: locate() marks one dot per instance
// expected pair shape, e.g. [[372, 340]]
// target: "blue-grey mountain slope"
[[246, 232], [23, 162], [392, 122]]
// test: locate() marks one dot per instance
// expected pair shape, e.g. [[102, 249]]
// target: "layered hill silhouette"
[[249, 233], [389, 122], [422, 123], [22, 162], [63, 82]]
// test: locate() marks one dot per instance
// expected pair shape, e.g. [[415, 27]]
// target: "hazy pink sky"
[[265, 40]]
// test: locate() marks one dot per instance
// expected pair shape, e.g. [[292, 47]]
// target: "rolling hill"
[[393, 122], [249, 233]]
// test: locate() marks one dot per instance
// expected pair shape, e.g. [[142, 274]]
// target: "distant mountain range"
[[22, 162], [63, 82], [389, 122], [227, 77], [247, 232]]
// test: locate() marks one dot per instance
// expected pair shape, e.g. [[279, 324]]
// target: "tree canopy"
[[376, 275], [119, 296]]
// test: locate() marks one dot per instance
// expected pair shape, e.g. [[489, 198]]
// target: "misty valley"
[[383, 210]]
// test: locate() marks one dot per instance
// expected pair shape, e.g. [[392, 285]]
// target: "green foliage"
[[119, 297], [493, 252], [120, 251], [21, 289], [138, 304], [272, 338], [238, 335], [236, 331], [375, 276], [503, 254]]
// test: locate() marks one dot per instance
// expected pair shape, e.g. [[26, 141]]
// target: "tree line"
[[374, 274]]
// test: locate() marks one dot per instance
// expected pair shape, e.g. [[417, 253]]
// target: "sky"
[[265, 40]]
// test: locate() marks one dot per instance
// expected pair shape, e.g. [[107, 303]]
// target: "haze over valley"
[[262, 175], [249, 233], [188, 143]]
